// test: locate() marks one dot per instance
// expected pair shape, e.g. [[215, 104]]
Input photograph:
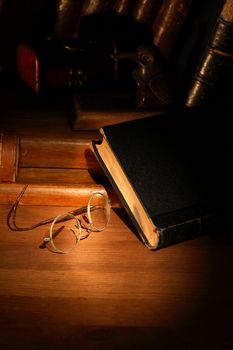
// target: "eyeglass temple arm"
[[12, 216]]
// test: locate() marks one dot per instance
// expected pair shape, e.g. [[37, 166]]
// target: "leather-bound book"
[[92, 7], [34, 38], [168, 24], [57, 194], [67, 18], [145, 10], [43, 68], [216, 63], [29, 67], [123, 7]]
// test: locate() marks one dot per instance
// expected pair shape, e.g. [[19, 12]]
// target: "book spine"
[[123, 7], [145, 11], [216, 59], [35, 67], [28, 67], [92, 7], [55, 195], [63, 153], [67, 18], [38, 74], [168, 23], [60, 176], [9, 157], [187, 230]]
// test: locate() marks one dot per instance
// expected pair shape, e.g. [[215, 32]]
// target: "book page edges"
[[127, 193]]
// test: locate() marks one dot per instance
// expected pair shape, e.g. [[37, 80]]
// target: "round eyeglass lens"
[[65, 233], [98, 212]]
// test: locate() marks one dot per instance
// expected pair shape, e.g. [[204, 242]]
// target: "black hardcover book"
[[171, 172]]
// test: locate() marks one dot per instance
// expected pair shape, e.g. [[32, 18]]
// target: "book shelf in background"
[[56, 150]]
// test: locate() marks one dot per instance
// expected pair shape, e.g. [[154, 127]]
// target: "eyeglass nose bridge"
[[87, 218], [12, 225]]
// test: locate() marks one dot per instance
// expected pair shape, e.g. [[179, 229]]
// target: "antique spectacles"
[[67, 229]]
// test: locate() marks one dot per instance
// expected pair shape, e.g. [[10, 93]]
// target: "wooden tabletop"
[[111, 292]]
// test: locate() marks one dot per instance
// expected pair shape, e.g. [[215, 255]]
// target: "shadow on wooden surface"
[[111, 292]]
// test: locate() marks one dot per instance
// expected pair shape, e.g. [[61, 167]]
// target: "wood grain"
[[111, 292]]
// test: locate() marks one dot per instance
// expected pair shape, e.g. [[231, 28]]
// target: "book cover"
[[170, 172]]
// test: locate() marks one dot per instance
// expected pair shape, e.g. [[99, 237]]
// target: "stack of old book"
[[39, 148], [46, 135], [47, 54]]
